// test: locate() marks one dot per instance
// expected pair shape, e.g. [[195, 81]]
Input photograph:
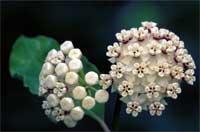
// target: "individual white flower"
[[47, 68], [75, 65], [113, 50], [88, 102], [67, 103], [50, 81], [189, 76], [172, 90], [133, 108], [69, 122], [163, 32], [124, 36], [66, 47], [60, 89], [51, 54], [58, 114], [75, 53], [45, 104], [117, 70], [101, 96], [152, 90], [79, 92], [177, 72], [61, 69], [142, 33], [135, 50], [105, 81], [156, 108], [149, 25], [189, 62], [163, 69], [71, 78], [167, 46], [55, 57], [154, 48], [52, 100], [180, 54], [77, 113], [125, 88], [91, 78], [155, 33], [140, 69]]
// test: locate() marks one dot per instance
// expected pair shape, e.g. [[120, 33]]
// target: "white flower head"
[[113, 50], [117, 70], [135, 50], [189, 76], [79, 92], [61, 69], [156, 108], [52, 100], [101, 96], [106, 81], [88, 102], [126, 88], [67, 103], [75, 65], [133, 108], [91, 78], [140, 69], [75, 53], [152, 90], [154, 48], [172, 90], [66, 46], [71, 78], [77, 113]]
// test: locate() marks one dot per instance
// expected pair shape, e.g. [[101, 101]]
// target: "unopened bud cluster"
[[61, 87], [148, 65]]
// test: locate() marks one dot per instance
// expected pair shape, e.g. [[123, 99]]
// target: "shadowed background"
[[91, 26]]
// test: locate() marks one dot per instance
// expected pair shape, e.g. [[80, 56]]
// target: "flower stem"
[[116, 115]]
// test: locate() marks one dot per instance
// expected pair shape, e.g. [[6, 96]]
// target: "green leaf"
[[27, 58]]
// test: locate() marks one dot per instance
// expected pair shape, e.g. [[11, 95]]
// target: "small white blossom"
[[60, 89], [58, 114], [152, 90], [172, 90], [55, 57], [47, 68], [66, 47], [79, 92], [71, 78], [140, 69], [155, 32], [50, 81], [52, 100], [117, 70], [67, 103], [156, 108], [61, 69], [163, 32], [91, 78], [75, 65], [177, 72], [167, 46], [133, 108], [125, 88], [77, 113], [88, 102], [135, 50], [45, 105], [105, 81], [180, 54], [163, 69], [142, 33], [124, 36], [189, 62], [154, 48], [189, 76], [69, 122], [75, 53], [149, 25], [101, 96], [113, 50]]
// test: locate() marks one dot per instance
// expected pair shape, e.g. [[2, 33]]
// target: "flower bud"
[[75, 53], [52, 100], [79, 92], [69, 122], [66, 47], [71, 78], [66, 103], [77, 113], [101, 96], [50, 81], [61, 69], [47, 68], [75, 65], [91, 78], [88, 103]]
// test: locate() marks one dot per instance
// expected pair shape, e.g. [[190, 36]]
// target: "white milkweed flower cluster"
[[61, 87], [148, 64]]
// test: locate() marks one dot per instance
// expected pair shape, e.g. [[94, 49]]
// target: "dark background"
[[91, 26]]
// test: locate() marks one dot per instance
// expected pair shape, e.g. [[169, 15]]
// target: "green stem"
[[116, 115], [100, 121]]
